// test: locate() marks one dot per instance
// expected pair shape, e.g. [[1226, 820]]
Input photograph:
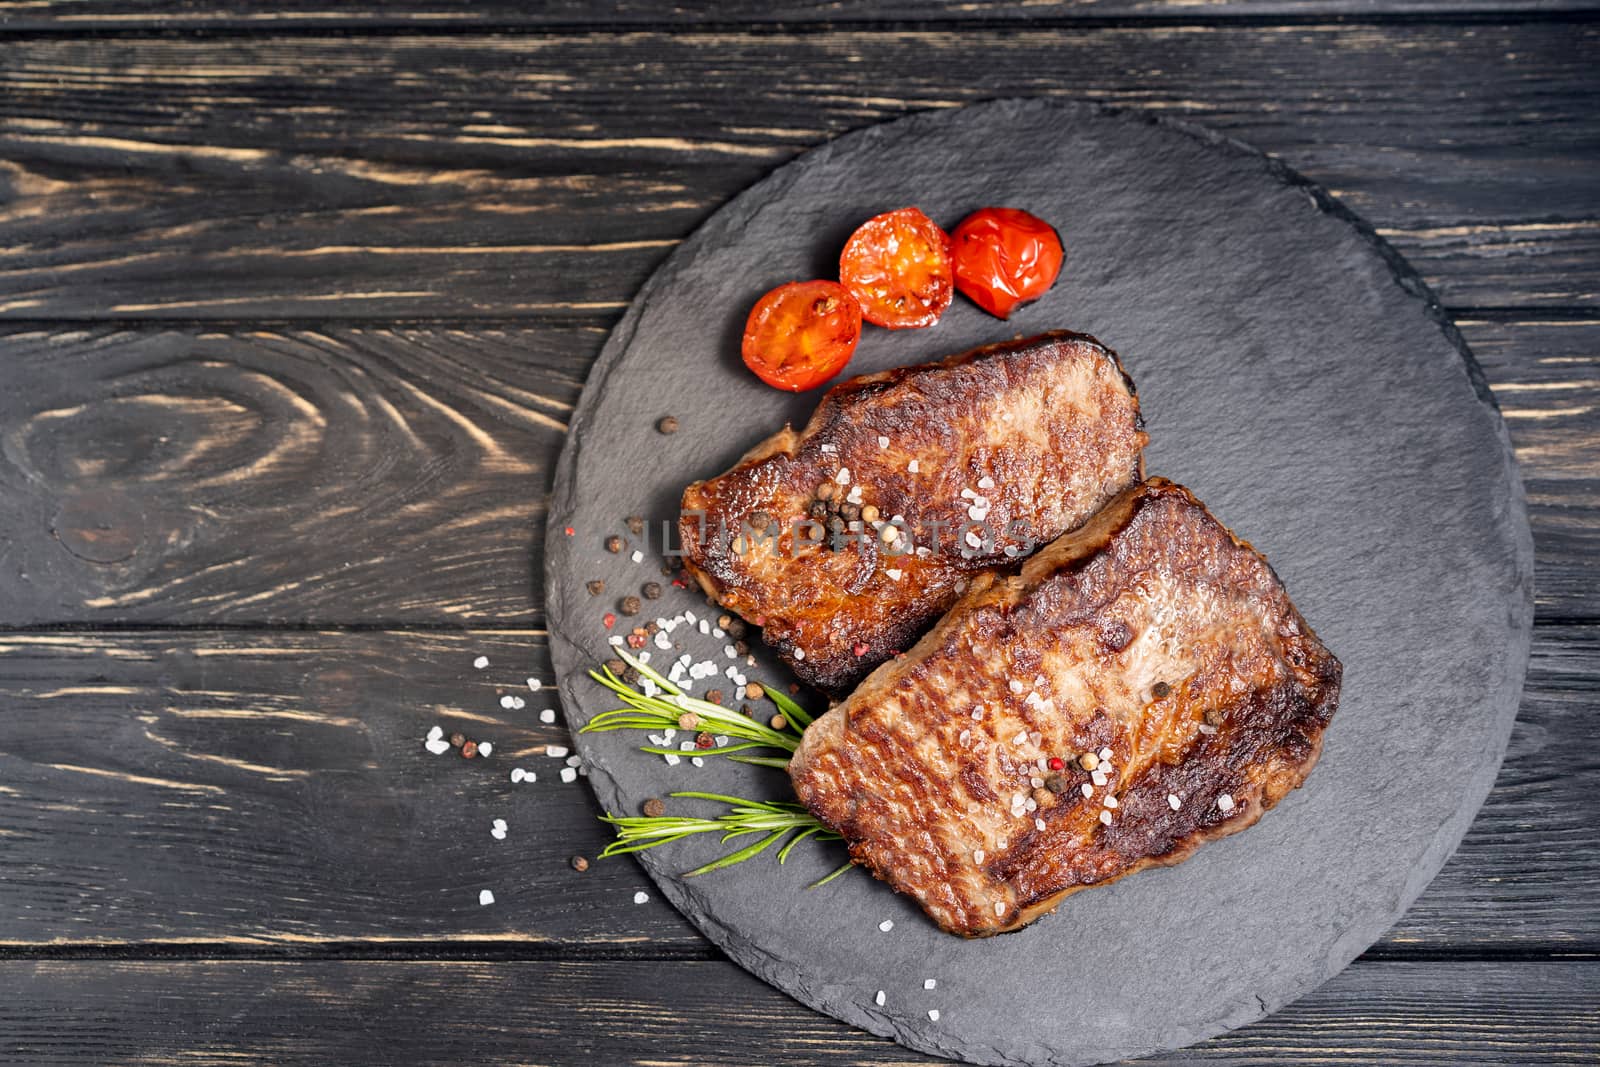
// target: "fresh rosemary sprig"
[[663, 710], [773, 820]]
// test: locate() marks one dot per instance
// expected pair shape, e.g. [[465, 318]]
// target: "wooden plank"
[[270, 790], [256, 475], [326, 177], [396, 475], [36, 16], [226, 1012]]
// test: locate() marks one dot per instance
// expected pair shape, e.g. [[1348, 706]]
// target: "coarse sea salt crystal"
[[672, 760], [1225, 803], [637, 556], [497, 830], [1173, 802], [548, 715], [1088, 790], [481, 662], [485, 748], [986, 482], [485, 898], [929, 983], [534, 684], [880, 998], [573, 761], [438, 746], [886, 925], [893, 573], [518, 774], [435, 733], [883, 442], [912, 467], [843, 477], [933, 1014], [697, 761], [641, 897], [1038, 824], [556, 751], [569, 775]]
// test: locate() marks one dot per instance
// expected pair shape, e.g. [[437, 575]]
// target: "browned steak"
[[904, 486], [1151, 653]]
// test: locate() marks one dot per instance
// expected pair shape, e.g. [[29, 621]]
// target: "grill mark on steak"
[[1053, 421], [1219, 688]]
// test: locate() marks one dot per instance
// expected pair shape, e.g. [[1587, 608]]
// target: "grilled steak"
[[1142, 687], [846, 540]]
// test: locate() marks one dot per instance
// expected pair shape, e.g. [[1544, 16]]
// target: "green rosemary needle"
[[772, 820], [662, 711]]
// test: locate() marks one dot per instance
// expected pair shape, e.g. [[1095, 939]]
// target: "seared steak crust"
[[1028, 438], [1153, 633]]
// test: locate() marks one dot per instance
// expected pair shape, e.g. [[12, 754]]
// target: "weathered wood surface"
[[142, 15], [248, 475], [513, 175], [390, 240], [691, 1012], [272, 789]]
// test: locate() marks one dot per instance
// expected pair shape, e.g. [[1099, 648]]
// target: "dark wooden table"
[[294, 305]]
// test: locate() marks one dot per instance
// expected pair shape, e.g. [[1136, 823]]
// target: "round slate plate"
[[1295, 373]]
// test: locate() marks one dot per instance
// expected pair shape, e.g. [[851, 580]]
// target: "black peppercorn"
[[613, 544], [1161, 690], [635, 525], [652, 590], [655, 807], [629, 605], [668, 424], [596, 587]]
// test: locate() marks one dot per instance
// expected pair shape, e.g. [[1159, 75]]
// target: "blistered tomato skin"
[[1004, 258], [898, 267], [801, 334]]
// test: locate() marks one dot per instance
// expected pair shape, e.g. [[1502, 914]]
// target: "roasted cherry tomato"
[[1005, 257], [898, 266], [801, 334]]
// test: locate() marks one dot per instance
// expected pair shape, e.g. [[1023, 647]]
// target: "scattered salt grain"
[[977, 856], [1225, 803], [672, 760], [574, 761], [485, 748], [1038, 824], [497, 830], [912, 467], [485, 898], [438, 746], [697, 761], [1020, 739], [534, 684], [1173, 801], [999, 907], [556, 751], [641, 897], [893, 573], [569, 775], [1110, 802], [481, 662], [829, 449], [880, 998], [933, 1014], [517, 775], [986, 482], [1106, 754], [1087, 789], [1105, 817], [435, 733], [886, 925], [547, 715], [637, 556], [843, 477], [883, 442], [1098, 777], [1014, 685]]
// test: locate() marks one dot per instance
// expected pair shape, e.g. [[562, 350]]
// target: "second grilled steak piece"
[[1152, 655], [972, 461]]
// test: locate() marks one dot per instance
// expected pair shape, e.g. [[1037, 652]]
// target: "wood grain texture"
[[144, 16], [512, 175], [263, 476], [396, 475], [271, 789], [205, 1013]]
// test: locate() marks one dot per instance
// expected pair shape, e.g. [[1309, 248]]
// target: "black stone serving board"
[[1294, 372]]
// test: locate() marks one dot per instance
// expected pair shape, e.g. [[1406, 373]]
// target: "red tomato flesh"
[[898, 267], [801, 334], [1005, 258]]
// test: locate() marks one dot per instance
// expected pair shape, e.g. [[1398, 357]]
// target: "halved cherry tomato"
[[898, 266], [801, 334], [1005, 257]]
